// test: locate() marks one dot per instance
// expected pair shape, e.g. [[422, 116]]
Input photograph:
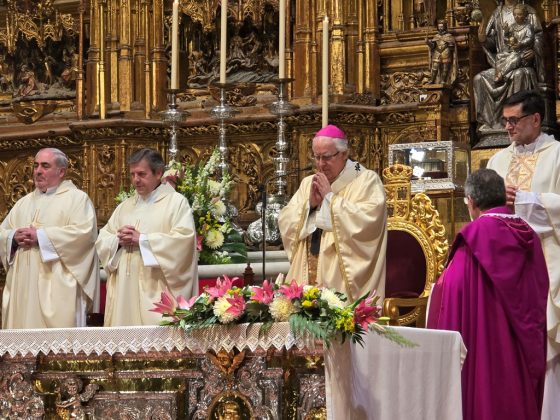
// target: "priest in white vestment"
[[334, 228], [531, 169], [47, 248], [148, 245]]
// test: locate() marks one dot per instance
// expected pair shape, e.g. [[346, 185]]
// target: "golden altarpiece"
[[91, 77]]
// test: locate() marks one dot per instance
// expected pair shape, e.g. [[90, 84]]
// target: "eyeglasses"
[[513, 121], [324, 158]]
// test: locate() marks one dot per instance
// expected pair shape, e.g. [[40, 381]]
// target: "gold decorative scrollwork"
[[403, 87]]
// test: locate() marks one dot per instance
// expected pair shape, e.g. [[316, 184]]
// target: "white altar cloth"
[[384, 381], [148, 338]]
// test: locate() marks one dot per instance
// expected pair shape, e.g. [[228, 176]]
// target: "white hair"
[[60, 157], [341, 145]]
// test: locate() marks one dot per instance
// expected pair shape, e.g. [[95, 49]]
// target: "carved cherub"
[[227, 362], [69, 399]]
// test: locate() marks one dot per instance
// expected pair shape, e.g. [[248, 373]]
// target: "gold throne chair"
[[416, 249]]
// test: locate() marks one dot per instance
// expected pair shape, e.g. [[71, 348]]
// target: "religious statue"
[[69, 399], [443, 56], [28, 81], [513, 42], [229, 410], [70, 58]]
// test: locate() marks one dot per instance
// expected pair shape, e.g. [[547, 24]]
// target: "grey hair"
[[486, 189], [341, 145], [60, 158], [153, 157]]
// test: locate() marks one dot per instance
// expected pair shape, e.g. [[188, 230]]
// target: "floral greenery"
[[217, 241], [322, 312]]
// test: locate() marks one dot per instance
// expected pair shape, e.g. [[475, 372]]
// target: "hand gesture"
[[26, 237], [511, 192], [128, 236]]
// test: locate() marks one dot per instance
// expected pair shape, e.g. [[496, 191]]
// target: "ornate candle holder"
[[222, 112], [269, 207], [171, 118]]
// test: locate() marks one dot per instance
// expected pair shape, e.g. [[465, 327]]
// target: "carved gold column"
[[140, 46], [305, 49], [353, 45], [371, 65], [102, 108], [159, 59], [147, 68], [125, 81], [80, 72], [92, 66], [112, 49], [338, 68]]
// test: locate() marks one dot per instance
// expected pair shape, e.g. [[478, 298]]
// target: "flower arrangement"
[[322, 312], [217, 240]]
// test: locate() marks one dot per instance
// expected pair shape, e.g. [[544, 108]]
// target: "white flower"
[[308, 287], [220, 310], [331, 298], [214, 239], [281, 308], [214, 187], [218, 208]]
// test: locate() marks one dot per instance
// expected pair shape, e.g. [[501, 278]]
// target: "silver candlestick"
[[281, 108], [222, 112], [171, 118], [269, 207]]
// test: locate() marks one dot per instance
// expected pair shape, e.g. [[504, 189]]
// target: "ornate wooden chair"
[[416, 249]]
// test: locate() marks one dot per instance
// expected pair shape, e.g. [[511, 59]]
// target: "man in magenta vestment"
[[494, 292]]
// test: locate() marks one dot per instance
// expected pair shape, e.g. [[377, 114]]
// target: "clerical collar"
[[50, 191], [528, 149], [151, 197]]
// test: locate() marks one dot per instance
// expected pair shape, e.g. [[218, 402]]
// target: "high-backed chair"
[[416, 249]]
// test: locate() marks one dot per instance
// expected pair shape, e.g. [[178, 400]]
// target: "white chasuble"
[[539, 173], [353, 247], [49, 294], [135, 281]]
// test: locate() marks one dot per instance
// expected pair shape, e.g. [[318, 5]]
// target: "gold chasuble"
[[135, 281], [49, 294], [352, 254], [539, 171]]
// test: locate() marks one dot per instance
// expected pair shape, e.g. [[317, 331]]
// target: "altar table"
[[384, 381], [165, 373]]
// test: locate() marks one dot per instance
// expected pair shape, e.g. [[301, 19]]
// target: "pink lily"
[[293, 291], [182, 303], [366, 312], [166, 305], [221, 288], [237, 305], [199, 240], [263, 294]]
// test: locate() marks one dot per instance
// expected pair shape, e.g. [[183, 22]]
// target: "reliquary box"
[[438, 165]]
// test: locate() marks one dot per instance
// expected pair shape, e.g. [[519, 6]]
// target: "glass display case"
[[440, 170], [442, 165]]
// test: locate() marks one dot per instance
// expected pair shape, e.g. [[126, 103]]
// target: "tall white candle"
[[223, 40], [282, 39], [174, 45], [325, 113]]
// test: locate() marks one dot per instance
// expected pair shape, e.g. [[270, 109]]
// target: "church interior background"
[[92, 78]]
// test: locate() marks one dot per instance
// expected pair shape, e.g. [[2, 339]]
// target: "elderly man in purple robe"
[[494, 292]]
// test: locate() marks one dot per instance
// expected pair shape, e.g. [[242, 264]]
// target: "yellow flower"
[[306, 304], [310, 293], [220, 310], [281, 308], [214, 239]]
